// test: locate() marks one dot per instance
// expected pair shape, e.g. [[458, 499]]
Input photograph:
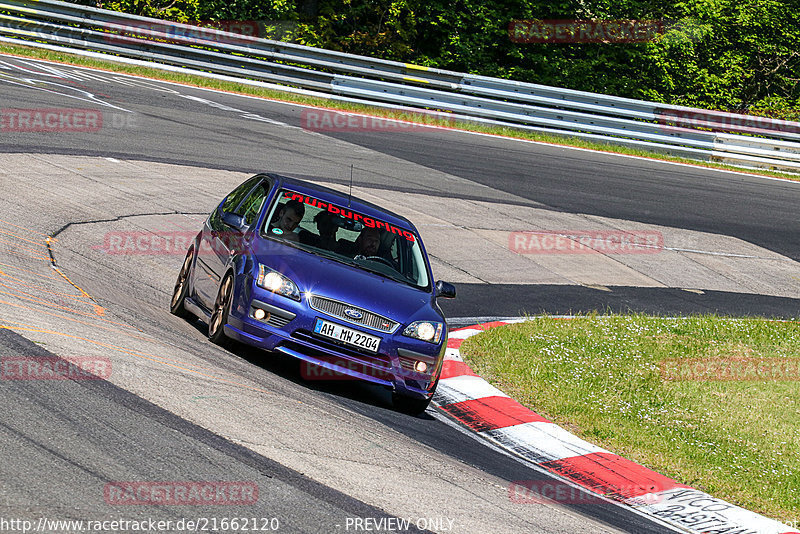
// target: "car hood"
[[329, 278]]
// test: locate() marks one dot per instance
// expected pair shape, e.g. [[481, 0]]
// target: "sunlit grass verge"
[[601, 378], [242, 88]]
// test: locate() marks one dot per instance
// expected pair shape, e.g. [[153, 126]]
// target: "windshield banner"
[[369, 222]]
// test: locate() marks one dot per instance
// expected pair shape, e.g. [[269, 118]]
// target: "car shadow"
[[291, 369], [361, 393]]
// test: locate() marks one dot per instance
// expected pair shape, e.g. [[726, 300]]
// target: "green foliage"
[[248, 10], [380, 28], [177, 10], [738, 55], [730, 54]]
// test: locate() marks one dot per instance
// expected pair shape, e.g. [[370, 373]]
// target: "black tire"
[[411, 406], [219, 317], [176, 306]]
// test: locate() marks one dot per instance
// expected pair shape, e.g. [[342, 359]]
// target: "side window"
[[237, 195], [251, 206]]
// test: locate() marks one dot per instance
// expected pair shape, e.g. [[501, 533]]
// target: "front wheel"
[[176, 306], [410, 405], [216, 325]]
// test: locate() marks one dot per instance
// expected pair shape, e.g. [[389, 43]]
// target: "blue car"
[[336, 282]]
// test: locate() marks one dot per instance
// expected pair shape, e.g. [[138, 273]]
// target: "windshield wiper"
[[398, 278]]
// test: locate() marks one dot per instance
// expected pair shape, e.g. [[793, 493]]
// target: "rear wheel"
[[176, 306], [216, 325]]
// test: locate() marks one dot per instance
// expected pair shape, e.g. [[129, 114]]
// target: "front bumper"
[[288, 328]]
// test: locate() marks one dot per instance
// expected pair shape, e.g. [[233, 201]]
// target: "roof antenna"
[[350, 195]]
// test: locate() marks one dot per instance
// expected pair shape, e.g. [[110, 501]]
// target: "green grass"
[[242, 88], [600, 377]]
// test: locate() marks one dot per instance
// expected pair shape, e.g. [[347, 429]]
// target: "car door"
[[218, 240], [239, 237]]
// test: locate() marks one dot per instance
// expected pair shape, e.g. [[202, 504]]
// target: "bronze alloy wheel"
[[216, 325], [181, 286]]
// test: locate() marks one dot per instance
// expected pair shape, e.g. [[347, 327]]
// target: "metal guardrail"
[[733, 138]]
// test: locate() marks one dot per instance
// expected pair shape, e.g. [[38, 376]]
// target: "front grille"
[[368, 319]]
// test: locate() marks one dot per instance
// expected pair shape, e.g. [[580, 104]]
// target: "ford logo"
[[353, 314]]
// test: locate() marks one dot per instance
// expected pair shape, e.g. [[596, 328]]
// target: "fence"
[[700, 134]]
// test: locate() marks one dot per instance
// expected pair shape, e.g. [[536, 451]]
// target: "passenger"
[[289, 216], [327, 228]]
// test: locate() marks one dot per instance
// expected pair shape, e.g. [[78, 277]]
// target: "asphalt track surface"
[[65, 451], [249, 137], [92, 419]]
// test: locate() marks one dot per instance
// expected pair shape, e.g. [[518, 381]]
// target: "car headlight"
[[272, 280], [425, 330]]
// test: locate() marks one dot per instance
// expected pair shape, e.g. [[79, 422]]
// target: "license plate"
[[348, 336]]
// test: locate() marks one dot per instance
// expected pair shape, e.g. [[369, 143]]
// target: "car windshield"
[[347, 236]]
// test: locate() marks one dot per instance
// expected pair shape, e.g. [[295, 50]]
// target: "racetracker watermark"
[[549, 491], [157, 243], [730, 369], [145, 524], [54, 368], [722, 121], [351, 370], [220, 493], [586, 242], [585, 31], [50, 120], [323, 120], [63, 120], [205, 31]]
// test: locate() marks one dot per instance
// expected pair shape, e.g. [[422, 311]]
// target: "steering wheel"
[[381, 259]]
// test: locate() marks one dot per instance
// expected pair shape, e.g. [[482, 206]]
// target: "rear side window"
[[236, 196], [251, 206]]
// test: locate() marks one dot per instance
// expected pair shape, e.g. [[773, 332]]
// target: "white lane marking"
[[463, 388], [35, 84], [45, 66], [243, 114], [453, 355], [47, 70], [542, 442], [293, 90], [471, 321], [464, 334], [547, 475], [574, 148], [728, 254]]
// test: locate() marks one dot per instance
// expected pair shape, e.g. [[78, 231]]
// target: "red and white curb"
[[496, 417]]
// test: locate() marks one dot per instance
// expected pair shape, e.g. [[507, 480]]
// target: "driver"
[[366, 244], [368, 241]]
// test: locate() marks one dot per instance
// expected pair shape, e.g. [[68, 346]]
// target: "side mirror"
[[445, 290], [231, 219]]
